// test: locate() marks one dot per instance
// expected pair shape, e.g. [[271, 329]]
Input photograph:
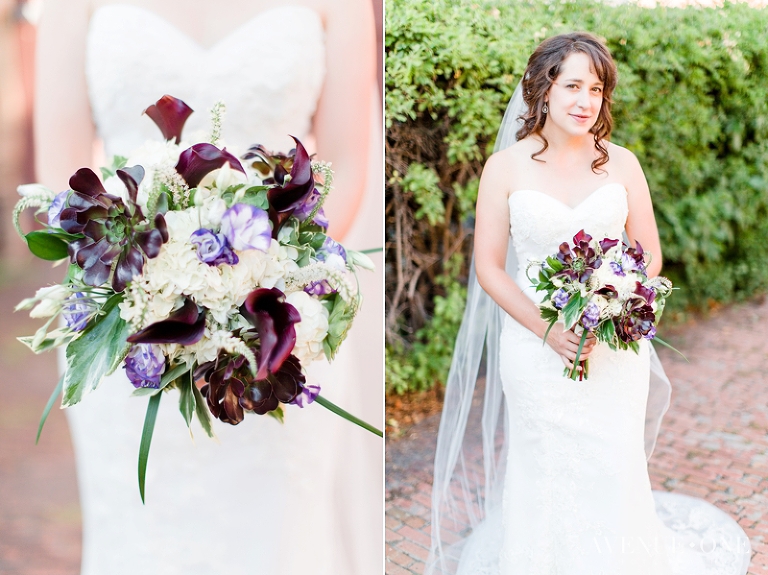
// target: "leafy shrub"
[[692, 104]]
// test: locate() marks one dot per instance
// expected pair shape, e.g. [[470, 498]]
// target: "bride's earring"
[[544, 108]]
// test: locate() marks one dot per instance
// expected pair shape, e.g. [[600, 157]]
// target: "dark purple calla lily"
[[201, 159], [170, 114], [112, 229], [285, 199], [274, 321], [646, 293], [184, 326], [607, 244]]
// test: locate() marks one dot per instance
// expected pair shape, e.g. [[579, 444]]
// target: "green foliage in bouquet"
[[692, 104]]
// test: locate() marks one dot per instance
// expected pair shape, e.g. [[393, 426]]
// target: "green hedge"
[[692, 103]]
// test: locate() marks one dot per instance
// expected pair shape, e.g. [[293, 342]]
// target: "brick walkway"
[[713, 443], [39, 508]]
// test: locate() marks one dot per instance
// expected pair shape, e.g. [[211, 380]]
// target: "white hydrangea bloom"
[[312, 329]]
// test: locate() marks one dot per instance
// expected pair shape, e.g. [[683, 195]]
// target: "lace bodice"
[[539, 223], [269, 72]]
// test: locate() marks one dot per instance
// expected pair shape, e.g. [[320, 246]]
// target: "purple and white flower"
[[212, 248], [76, 311], [560, 298], [303, 211], [591, 316], [307, 395], [57, 206], [332, 253], [247, 227], [319, 288], [144, 365]]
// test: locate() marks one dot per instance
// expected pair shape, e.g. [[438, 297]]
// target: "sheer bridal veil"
[[467, 489]]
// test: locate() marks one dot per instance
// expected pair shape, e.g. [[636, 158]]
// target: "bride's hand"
[[566, 344]]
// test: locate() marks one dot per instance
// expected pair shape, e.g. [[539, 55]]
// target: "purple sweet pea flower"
[[591, 316], [307, 395], [246, 227], [77, 309], [560, 298], [321, 287], [145, 365], [56, 207], [651, 333], [303, 211], [332, 253], [617, 268], [212, 248]]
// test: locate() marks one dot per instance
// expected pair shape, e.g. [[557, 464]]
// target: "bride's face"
[[576, 96]]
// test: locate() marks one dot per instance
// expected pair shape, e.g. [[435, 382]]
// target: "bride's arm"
[[342, 122], [491, 242], [64, 131], [641, 223]]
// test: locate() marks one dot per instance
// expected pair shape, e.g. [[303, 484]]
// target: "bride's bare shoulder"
[[503, 166]]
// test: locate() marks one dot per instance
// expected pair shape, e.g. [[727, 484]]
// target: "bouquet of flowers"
[[188, 264], [600, 287]]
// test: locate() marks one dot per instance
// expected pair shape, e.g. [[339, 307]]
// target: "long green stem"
[[146, 440], [346, 415], [578, 355], [56, 393]]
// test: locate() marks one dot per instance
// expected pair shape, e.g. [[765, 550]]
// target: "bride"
[[269, 499], [564, 489]]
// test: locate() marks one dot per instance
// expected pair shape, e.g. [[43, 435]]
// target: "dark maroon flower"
[[646, 293], [201, 159], [112, 229], [638, 255], [636, 321], [579, 262], [231, 389], [606, 244], [285, 198], [274, 321], [185, 326], [170, 114]]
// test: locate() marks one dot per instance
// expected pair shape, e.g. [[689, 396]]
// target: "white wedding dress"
[[577, 499], [265, 499]]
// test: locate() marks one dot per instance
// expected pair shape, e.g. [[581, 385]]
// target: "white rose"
[[312, 329]]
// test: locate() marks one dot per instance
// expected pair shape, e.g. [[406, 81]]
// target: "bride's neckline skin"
[[220, 22], [529, 175]]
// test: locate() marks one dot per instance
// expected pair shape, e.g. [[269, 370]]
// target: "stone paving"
[[713, 443], [39, 507]]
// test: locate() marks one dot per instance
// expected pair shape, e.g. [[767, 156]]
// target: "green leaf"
[[48, 406], [549, 328], [548, 314], [277, 414], [555, 264], [665, 344], [146, 440], [46, 246], [187, 402], [573, 309], [339, 322], [203, 415], [167, 379], [346, 415], [96, 353]]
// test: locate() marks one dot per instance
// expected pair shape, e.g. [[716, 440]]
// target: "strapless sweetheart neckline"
[[611, 185], [234, 32]]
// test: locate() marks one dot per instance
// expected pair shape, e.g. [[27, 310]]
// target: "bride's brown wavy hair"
[[544, 68]]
